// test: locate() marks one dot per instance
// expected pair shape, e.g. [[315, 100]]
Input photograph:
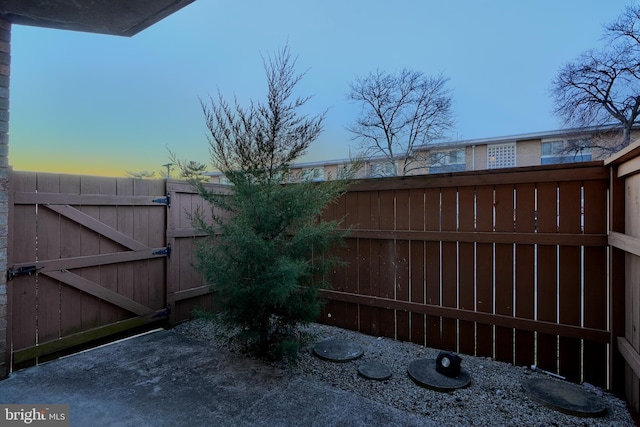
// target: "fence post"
[[616, 281]]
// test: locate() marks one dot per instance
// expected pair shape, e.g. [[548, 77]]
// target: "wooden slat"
[[595, 282], [629, 167], [190, 293], [466, 294], [80, 338], [578, 332], [49, 246], [534, 174], [23, 304], [402, 263], [624, 242], [525, 274], [630, 354], [432, 261], [547, 276], [570, 295], [385, 286], [23, 198], [448, 222], [504, 271], [417, 264], [484, 270], [94, 289], [97, 226], [565, 239], [91, 260]]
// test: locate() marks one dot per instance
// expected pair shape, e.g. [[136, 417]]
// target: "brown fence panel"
[[95, 250], [186, 288], [624, 292], [497, 264]]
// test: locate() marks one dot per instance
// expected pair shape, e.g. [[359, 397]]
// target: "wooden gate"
[[86, 260]]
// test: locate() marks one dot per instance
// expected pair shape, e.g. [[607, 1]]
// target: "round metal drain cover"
[[374, 371], [337, 350], [564, 397], [423, 372]]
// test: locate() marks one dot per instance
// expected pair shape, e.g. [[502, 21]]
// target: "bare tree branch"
[[399, 112], [602, 86]]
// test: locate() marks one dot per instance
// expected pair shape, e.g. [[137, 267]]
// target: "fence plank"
[[595, 282], [402, 263], [466, 298], [432, 257], [448, 222], [504, 271], [23, 288], [525, 273], [91, 308], [417, 264], [484, 269], [569, 284], [547, 276], [386, 249], [109, 273], [49, 245]]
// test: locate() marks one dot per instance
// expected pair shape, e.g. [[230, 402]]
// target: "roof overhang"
[[114, 17]]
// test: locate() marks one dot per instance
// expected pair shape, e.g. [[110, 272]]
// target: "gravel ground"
[[494, 398]]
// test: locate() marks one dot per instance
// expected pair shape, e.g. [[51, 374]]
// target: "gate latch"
[[21, 271]]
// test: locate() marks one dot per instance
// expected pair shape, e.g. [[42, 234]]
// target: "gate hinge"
[[164, 200], [21, 271], [166, 251]]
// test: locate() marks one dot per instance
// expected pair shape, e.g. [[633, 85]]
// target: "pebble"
[[494, 398]]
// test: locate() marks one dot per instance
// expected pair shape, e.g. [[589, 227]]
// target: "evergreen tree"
[[265, 257]]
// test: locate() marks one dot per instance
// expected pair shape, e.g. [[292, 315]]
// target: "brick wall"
[[5, 62]]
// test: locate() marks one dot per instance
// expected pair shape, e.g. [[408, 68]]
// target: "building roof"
[[550, 134], [113, 17]]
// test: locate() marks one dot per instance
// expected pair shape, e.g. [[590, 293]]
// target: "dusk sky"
[[104, 105]]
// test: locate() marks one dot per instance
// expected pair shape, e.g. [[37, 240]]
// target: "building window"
[[446, 161], [380, 169], [313, 174], [501, 156], [560, 151], [445, 158]]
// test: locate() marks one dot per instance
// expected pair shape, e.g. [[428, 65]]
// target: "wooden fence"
[[624, 239], [509, 264], [93, 257], [515, 264], [86, 260]]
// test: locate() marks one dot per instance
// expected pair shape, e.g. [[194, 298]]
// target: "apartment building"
[[530, 149]]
